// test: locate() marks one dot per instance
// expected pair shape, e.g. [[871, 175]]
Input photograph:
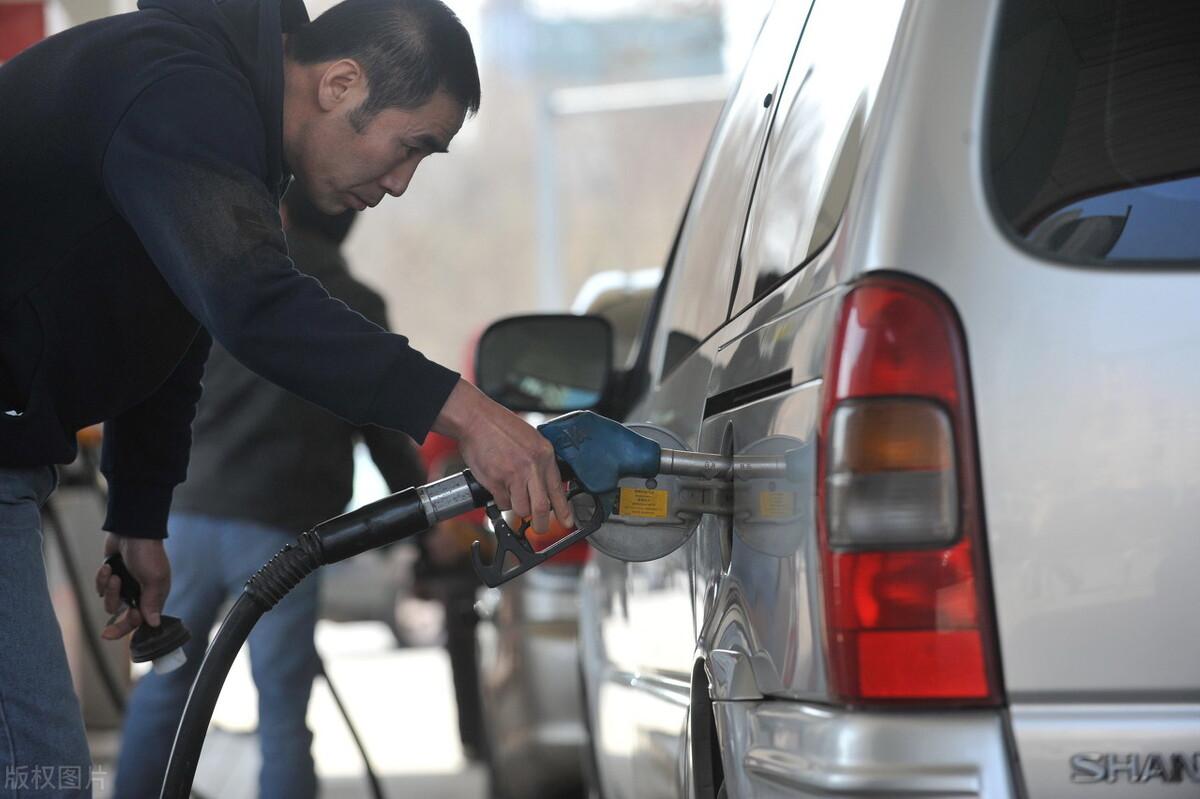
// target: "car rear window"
[[1094, 128]]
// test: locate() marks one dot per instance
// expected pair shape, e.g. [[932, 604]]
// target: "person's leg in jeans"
[[197, 591], [283, 661], [43, 747], [461, 621]]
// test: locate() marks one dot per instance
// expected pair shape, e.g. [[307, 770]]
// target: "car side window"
[[1093, 130], [701, 280], [816, 139]]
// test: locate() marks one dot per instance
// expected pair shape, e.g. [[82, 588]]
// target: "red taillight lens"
[[907, 605], [896, 340]]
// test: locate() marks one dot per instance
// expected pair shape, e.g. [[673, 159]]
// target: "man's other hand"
[[507, 455], [147, 561]]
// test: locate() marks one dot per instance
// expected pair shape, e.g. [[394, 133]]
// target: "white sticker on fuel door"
[[646, 503], [776, 504]]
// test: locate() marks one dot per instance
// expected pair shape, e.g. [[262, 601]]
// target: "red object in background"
[[436, 450], [576, 554], [21, 24]]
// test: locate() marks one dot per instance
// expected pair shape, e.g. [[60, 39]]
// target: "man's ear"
[[342, 81]]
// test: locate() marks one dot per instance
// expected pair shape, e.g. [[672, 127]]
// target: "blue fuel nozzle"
[[598, 452], [593, 453]]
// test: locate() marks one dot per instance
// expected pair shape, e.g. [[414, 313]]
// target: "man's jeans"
[[211, 559], [43, 748]]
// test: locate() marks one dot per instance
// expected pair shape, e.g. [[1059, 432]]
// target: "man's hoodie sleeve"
[[145, 449], [185, 168]]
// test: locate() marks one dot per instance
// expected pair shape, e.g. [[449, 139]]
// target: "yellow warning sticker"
[[647, 503], [776, 504]]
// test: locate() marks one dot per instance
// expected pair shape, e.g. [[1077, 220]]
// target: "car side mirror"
[[546, 363]]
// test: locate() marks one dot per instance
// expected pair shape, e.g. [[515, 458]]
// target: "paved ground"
[[401, 701]]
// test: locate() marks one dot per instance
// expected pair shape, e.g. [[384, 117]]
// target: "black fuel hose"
[[391, 519]]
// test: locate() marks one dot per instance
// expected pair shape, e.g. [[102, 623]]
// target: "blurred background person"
[[266, 465]]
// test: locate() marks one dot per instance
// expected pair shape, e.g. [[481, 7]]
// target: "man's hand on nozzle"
[[147, 561], [507, 455]]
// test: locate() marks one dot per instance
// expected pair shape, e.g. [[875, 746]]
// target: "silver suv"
[[942, 255]]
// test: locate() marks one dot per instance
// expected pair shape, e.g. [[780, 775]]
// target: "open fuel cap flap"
[[646, 523], [771, 510]]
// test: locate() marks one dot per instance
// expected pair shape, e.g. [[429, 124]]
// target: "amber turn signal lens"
[[881, 435]]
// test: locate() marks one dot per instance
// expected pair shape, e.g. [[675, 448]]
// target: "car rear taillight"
[[907, 604]]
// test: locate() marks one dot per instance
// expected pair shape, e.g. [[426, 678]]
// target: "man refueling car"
[[140, 194], [594, 454]]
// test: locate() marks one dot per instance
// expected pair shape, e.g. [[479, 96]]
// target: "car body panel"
[[1084, 398], [530, 685], [642, 710], [1050, 736], [711, 233], [1088, 432], [792, 749], [645, 637], [768, 599]]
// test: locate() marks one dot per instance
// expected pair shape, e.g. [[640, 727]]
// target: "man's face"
[[342, 167]]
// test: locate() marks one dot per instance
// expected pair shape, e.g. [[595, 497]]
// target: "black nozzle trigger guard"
[[131, 589], [513, 542]]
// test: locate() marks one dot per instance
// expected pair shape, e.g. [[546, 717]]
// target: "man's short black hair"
[[408, 48], [302, 214]]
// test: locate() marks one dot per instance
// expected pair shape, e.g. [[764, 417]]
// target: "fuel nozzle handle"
[[597, 452], [594, 454], [163, 645]]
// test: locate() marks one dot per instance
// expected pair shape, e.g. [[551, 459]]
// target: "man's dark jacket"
[[263, 454], [141, 164]]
